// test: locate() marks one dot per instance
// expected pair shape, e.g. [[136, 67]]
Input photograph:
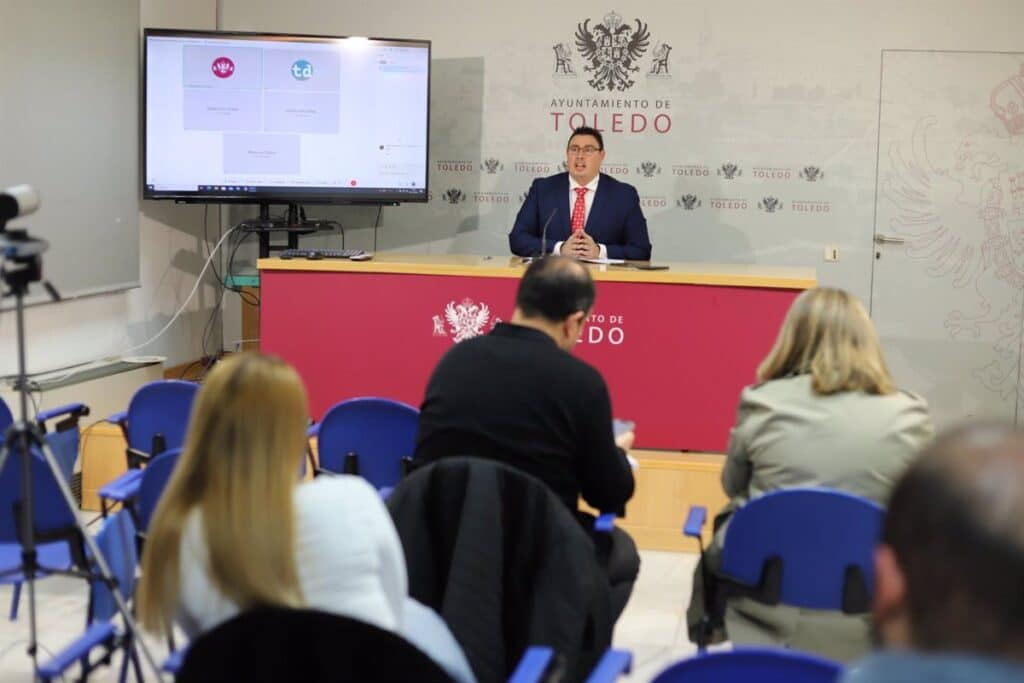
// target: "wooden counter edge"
[[503, 270]]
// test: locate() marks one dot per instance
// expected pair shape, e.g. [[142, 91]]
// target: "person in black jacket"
[[518, 396]]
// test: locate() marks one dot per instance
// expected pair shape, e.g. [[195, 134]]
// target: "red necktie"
[[579, 209]]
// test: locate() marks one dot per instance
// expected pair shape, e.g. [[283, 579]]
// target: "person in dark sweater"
[[518, 396]]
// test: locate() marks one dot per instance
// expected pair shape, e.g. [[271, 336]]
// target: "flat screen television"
[[277, 118]]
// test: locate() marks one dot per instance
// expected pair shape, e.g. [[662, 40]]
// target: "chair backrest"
[[380, 431], [154, 481], [278, 644], [6, 417], [747, 665], [160, 407], [50, 510], [823, 538], [116, 540]]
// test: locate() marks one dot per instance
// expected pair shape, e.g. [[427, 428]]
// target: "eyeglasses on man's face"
[[587, 150]]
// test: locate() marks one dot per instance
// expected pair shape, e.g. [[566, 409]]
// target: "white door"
[[947, 292]]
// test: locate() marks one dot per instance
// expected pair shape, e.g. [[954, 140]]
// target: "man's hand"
[[625, 440], [583, 245]]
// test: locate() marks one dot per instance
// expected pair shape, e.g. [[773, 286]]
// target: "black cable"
[[206, 243], [341, 229], [219, 292], [376, 224]]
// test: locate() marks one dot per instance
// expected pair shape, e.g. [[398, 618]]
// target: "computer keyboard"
[[315, 254]]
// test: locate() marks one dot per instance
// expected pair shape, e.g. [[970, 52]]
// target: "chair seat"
[[50, 556], [123, 488]]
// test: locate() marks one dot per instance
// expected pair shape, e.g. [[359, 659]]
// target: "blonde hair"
[[239, 470], [828, 335]]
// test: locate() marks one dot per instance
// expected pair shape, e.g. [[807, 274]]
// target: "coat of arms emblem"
[[730, 171], [688, 202], [811, 173], [612, 48], [648, 169], [770, 205], [465, 319], [492, 166], [454, 195]]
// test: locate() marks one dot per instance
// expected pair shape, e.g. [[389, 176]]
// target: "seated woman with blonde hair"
[[825, 413], [235, 529]]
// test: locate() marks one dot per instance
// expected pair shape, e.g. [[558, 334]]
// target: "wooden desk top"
[[721, 274]]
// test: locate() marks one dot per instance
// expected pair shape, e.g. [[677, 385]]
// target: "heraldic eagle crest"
[[466, 319], [612, 48]]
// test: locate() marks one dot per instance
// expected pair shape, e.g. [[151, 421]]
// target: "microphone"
[[19, 200], [544, 234]]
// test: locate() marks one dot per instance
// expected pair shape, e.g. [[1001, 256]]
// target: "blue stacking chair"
[[752, 665], [58, 541], [803, 547], [613, 663], [115, 541], [742, 665], [156, 420], [63, 441], [154, 480], [372, 437]]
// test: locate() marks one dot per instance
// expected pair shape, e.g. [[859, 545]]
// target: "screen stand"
[[293, 225]]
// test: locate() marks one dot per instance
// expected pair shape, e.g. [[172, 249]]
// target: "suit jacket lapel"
[[600, 197], [564, 209]]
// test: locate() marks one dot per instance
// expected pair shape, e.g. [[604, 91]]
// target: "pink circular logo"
[[352, 183], [222, 67]]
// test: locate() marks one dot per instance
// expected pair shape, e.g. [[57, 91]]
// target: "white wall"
[[171, 256], [775, 84], [753, 82]]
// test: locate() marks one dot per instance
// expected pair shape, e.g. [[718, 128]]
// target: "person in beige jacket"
[[824, 413]]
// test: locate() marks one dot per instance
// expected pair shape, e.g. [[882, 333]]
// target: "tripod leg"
[[15, 599]]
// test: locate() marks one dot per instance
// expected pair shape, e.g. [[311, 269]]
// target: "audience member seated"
[[235, 530], [518, 396], [824, 413], [949, 573]]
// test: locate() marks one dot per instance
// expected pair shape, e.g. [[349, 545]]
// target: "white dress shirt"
[[588, 201]]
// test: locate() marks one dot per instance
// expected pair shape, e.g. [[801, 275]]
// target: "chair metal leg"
[[15, 599], [131, 652]]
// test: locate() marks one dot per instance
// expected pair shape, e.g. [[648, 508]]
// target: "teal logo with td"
[[302, 70]]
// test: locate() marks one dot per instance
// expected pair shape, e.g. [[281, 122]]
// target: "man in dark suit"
[[588, 214], [518, 396]]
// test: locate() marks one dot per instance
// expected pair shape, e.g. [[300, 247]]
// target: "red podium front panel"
[[675, 354]]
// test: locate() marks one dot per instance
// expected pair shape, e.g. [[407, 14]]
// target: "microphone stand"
[[543, 239], [21, 266]]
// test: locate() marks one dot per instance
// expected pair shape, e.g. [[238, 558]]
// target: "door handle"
[[886, 239]]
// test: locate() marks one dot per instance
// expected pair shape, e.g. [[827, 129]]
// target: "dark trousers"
[[623, 567], [618, 556]]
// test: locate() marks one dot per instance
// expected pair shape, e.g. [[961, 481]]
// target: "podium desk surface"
[[720, 274]]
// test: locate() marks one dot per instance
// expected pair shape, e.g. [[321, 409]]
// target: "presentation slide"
[[248, 113]]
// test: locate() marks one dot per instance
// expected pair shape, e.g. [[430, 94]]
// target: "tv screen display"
[[247, 117]]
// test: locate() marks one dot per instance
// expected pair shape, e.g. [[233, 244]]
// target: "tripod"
[[22, 265]]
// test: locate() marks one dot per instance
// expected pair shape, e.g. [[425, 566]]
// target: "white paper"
[[604, 261]]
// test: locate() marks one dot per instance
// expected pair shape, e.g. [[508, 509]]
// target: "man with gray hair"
[[949, 573]]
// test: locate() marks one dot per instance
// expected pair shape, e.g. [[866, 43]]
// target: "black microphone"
[[544, 234], [19, 200]]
